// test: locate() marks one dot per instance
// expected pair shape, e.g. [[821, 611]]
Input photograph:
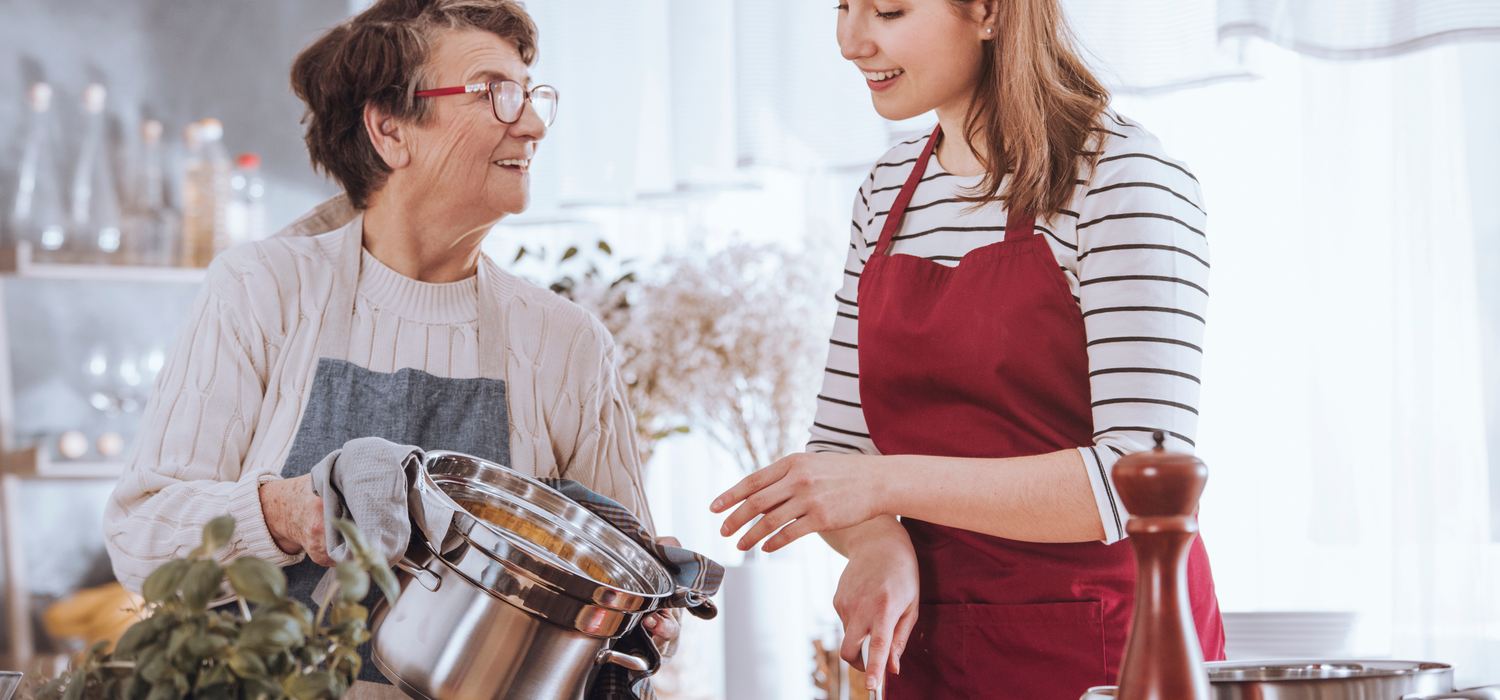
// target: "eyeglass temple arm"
[[439, 92]]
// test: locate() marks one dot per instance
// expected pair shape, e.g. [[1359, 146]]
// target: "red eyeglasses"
[[507, 99]]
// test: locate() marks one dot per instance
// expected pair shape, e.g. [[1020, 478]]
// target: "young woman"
[[1023, 304]]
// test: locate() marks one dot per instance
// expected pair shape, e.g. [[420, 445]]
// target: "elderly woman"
[[377, 314]]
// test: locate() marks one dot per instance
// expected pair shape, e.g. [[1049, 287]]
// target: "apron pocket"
[[1041, 651]]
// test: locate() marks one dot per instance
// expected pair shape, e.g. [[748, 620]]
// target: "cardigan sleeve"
[[185, 467]]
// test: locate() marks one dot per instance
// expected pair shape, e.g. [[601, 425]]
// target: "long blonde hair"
[[1036, 110]]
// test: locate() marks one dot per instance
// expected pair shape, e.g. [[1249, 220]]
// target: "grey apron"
[[407, 407]]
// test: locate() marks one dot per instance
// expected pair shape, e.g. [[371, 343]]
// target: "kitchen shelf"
[[28, 464], [18, 261]]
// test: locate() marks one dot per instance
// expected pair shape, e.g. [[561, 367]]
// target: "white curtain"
[[1147, 47], [1345, 29], [1343, 416]]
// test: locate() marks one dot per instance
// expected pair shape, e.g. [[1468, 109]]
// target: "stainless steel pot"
[[1330, 680], [527, 608], [8, 682], [1338, 680]]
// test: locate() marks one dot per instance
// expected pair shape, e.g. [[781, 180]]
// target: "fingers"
[[786, 513], [663, 626], [854, 638], [801, 527], [901, 635], [762, 502], [749, 485], [880, 649], [315, 541]]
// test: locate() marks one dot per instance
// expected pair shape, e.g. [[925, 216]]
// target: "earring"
[[988, 30]]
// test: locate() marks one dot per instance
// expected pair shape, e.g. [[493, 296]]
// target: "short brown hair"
[[379, 58]]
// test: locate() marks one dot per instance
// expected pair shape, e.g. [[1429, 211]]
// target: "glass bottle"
[[95, 202], [152, 223], [247, 208], [205, 193], [37, 216]]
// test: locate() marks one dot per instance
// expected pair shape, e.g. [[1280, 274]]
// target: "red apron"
[[987, 359]]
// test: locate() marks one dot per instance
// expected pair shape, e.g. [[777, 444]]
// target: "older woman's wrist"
[[250, 530]]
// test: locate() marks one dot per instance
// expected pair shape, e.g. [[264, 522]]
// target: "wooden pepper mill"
[[1163, 660]]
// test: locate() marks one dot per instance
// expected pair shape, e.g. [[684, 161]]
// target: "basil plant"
[[269, 647]]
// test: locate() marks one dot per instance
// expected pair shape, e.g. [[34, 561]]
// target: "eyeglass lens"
[[509, 100]]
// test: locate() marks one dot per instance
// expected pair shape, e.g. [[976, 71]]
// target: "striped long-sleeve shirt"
[[1133, 249]]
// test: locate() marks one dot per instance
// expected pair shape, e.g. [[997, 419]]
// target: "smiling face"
[[916, 55], [462, 156]]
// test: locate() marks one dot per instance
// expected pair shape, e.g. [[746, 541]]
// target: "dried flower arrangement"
[[279, 650], [732, 343]]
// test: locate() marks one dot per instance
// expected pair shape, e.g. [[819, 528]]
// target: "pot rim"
[[645, 580], [1317, 670]]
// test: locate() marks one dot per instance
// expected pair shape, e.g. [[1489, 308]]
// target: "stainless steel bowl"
[[524, 603]]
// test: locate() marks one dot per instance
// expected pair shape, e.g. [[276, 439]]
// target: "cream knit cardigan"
[[227, 405]]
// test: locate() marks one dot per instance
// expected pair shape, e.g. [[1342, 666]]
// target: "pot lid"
[[1262, 671]]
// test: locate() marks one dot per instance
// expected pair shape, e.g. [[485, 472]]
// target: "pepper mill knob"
[[1160, 489]]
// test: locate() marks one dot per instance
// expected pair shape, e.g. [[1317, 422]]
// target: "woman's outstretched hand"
[[802, 494]]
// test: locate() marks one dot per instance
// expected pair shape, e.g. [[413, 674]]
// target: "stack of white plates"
[[1287, 635]]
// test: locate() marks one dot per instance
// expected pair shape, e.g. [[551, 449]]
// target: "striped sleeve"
[[1143, 288], [839, 422]]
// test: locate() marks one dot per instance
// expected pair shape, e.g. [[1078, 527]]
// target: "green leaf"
[[247, 665], [218, 691], [570, 252], [317, 685], [520, 254], [354, 583], [353, 611], [206, 646], [259, 689], [217, 674], [271, 632], [164, 582], [163, 691], [155, 668], [76, 685], [216, 534], [386, 581], [257, 580], [357, 542], [201, 584], [627, 277], [605, 247]]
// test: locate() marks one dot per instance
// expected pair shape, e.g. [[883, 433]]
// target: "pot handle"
[[422, 574], [634, 663], [1485, 692]]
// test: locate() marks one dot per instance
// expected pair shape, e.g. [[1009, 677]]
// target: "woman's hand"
[[294, 515], [814, 492], [877, 597], [663, 624]]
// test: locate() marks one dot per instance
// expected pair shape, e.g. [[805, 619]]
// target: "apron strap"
[[898, 210], [1018, 224], [338, 315]]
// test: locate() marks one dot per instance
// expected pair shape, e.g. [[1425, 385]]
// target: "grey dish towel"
[[369, 479]]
